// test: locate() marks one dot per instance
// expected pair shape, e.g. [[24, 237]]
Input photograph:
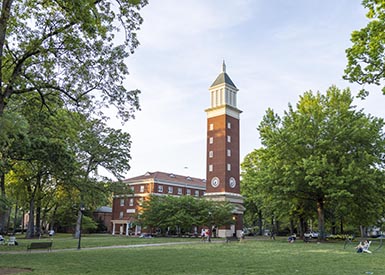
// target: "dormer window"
[[172, 176]]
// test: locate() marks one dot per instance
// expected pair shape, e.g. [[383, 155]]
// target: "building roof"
[[168, 177], [223, 77], [104, 209]]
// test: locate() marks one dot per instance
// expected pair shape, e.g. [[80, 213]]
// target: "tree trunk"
[[302, 226], [342, 226], [363, 231], [52, 221], [321, 218], [3, 206], [31, 224], [22, 221], [260, 233], [291, 227], [38, 219], [15, 218], [78, 222]]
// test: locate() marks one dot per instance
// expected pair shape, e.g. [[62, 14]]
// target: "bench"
[[41, 245], [232, 239]]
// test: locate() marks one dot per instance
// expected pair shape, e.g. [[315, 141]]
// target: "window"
[[211, 168], [160, 188], [211, 127], [179, 190], [132, 188], [170, 189], [131, 202], [141, 188], [188, 192], [121, 215], [196, 193], [228, 167], [228, 125], [228, 152], [211, 140], [211, 154], [121, 202], [228, 138]]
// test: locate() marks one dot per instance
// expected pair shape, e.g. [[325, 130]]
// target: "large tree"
[[69, 48], [366, 57], [72, 52], [322, 156]]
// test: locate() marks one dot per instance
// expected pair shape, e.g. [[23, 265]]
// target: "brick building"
[[222, 167], [126, 207]]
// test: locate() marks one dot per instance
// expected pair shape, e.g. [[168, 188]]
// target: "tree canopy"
[[69, 48], [183, 213], [366, 56], [322, 157], [62, 63]]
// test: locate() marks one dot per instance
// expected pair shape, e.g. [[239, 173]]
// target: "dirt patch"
[[10, 270]]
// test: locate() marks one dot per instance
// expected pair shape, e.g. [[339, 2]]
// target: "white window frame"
[[211, 154], [211, 126], [211, 140], [131, 202], [170, 189], [160, 188], [229, 152], [188, 191], [211, 168], [228, 125], [229, 139], [121, 215], [180, 191], [121, 202], [141, 190], [196, 193], [228, 167]]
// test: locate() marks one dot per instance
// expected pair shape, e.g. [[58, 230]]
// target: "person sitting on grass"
[[292, 238], [363, 247]]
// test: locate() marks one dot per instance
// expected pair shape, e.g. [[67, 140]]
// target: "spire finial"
[[223, 66]]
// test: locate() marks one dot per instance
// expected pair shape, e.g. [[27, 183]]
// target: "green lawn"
[[248, 257], [65, 241]]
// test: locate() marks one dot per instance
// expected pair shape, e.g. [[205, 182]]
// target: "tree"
[[184, 212], [319, 156], [13, 138], [366, 55], [65, 52], [99, 146], [69, 48]]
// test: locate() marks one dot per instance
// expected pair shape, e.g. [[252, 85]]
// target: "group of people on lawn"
[[362, 247]]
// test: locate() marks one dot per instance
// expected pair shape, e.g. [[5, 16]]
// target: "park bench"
[[39, 245], [232, 239]]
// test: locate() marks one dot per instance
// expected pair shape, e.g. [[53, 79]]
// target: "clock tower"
[[223, 161]]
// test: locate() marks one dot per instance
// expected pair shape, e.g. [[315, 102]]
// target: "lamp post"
[[82, 208]]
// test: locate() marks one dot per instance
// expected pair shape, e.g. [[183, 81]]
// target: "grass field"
[[248, 257]]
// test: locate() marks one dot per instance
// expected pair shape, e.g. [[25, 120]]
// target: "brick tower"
[[223, 161]]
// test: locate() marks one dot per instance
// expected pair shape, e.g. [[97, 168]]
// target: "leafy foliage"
[[366, 55], [323, 156], [184, 212]]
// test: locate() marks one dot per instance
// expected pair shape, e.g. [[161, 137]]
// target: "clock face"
[[214, 182], [232, 182]]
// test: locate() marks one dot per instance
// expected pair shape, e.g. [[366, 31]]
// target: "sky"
[[274, 52]]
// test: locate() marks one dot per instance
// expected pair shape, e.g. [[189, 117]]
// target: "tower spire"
[[223, 66]]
